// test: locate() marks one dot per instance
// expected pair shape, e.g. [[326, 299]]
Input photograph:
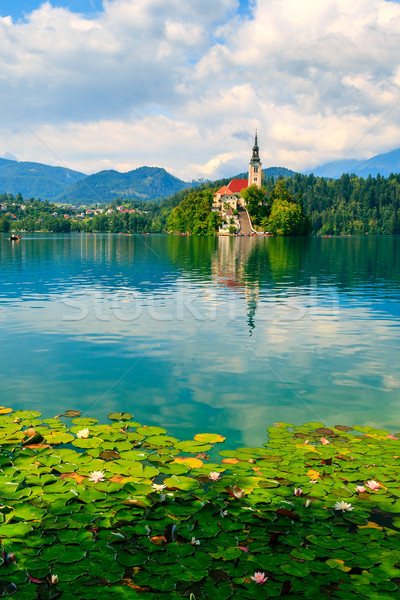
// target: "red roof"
[[224, 190], [237, 185]]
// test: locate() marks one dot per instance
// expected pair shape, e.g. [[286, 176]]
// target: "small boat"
[[14, 237]]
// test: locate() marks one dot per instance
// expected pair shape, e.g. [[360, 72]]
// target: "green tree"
[[286, 217], [256, 203]]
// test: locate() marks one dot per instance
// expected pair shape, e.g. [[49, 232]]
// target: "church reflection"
[[230, 269]]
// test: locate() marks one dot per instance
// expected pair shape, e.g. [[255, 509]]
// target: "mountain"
[[384, 164], [144, 183], [34, 180], [276, 172]]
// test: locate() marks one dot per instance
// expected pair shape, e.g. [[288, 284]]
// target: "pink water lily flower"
[[372, 484], [96, 476], [306, 442], [360, 489], [259, 577], [244, 548], [392, 437], [298, 492], [324, 441], [214, 476]]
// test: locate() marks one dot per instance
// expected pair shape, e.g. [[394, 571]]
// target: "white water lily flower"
[[83, 433], [96, 476], [54, 579], [214, 475], [158, 487], [343, 506], [195, 542]]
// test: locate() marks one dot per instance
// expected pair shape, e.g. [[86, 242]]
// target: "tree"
[[256, 203], [286, 217]]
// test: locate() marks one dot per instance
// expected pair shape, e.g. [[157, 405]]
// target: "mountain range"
[[59, 184], [382, 164]]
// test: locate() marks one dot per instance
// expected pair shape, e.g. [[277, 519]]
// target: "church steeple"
[[255, 165]]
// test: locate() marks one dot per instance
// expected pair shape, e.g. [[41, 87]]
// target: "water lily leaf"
[[78, 478], [121, 416], [284, 512], [150, 430], [109, 455], [191, 446], [5, 411], [72, 413], [58, 437], [193, 463], [84, 421], [210, 438], [15, 530], [296, 568], [93, 442], [181, 483], [343, 428]]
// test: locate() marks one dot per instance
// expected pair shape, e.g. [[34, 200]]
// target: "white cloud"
[[178, 84]]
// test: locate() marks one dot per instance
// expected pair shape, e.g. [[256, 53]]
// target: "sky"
[[118, 84]]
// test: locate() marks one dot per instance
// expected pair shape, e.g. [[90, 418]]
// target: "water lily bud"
[[54, 579], [30, 432], [10, 558], [252, 461]]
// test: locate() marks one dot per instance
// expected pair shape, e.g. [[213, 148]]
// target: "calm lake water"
[[203, 335]]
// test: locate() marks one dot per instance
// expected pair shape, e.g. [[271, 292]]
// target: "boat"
[[14, 237]]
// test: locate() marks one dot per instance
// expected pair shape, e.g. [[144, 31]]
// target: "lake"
[[223, 335]]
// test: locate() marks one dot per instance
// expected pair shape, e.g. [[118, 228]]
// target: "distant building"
[[231, 194]]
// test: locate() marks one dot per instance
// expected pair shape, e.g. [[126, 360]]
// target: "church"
[[231, 195]]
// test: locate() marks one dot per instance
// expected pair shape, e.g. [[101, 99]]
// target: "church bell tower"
[[255, 166]]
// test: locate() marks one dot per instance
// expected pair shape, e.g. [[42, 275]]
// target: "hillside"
[[384, 164], [274, 172], [144, 183], [35, 180]]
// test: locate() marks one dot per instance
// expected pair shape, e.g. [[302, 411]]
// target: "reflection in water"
[[226, 335], [229, 263]]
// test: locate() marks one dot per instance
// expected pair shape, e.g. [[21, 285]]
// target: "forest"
[[350, 205]]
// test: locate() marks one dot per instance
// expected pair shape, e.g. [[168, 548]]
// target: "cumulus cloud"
[[179, 84]]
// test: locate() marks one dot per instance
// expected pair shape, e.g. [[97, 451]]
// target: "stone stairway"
[[245, 224]]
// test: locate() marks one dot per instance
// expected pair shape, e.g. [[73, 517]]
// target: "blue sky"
[[183, 85], [17, 9]]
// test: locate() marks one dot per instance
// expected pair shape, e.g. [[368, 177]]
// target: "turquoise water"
[[203, 335]]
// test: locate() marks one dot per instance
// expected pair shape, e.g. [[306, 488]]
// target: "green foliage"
[[133, 516], [194, 215], [256, 203], [350, 205], [286, 217]]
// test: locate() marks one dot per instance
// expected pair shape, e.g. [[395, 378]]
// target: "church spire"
[[255, 165], [256, 150]]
